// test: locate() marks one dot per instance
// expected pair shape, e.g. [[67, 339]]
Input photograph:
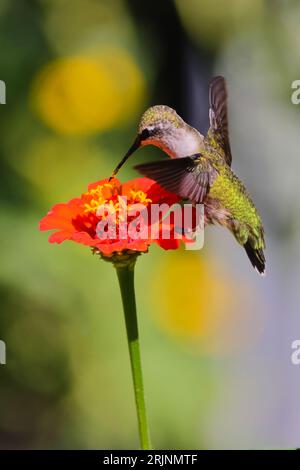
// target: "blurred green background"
[[216, 338]]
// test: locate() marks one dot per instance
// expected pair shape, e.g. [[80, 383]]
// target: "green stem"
[[126, 281]]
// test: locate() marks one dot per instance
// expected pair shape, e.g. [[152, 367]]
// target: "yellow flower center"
[[139, 196], [99, 196], [107, 194]]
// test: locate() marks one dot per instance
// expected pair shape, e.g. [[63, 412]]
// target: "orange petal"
[[59, 237]]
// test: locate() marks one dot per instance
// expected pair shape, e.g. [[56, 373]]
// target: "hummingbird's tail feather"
[[179, 176], [256, 257]]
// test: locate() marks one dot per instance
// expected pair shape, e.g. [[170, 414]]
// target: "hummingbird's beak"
[[136, 144]]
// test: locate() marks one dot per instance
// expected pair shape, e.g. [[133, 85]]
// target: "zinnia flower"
[[79, 219], [117, 220]]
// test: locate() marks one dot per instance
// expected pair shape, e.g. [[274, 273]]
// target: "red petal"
[[159, 195], [84, 238], [171, 244], [59, 237], [61, 215], [138, 184]]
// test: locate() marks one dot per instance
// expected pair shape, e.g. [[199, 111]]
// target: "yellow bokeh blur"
[[86, 94], [189, 303], [200, 307]]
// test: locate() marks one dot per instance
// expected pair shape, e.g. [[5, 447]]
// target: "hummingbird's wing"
[[188, 177], [218, 116]]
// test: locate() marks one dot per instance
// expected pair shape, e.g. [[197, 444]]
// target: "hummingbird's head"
[[158, 124], [162, 127]]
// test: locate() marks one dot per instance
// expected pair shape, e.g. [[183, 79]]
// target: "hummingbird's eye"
[[145, 134]]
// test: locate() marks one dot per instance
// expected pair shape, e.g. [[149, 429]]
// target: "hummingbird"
[[199, 169]]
